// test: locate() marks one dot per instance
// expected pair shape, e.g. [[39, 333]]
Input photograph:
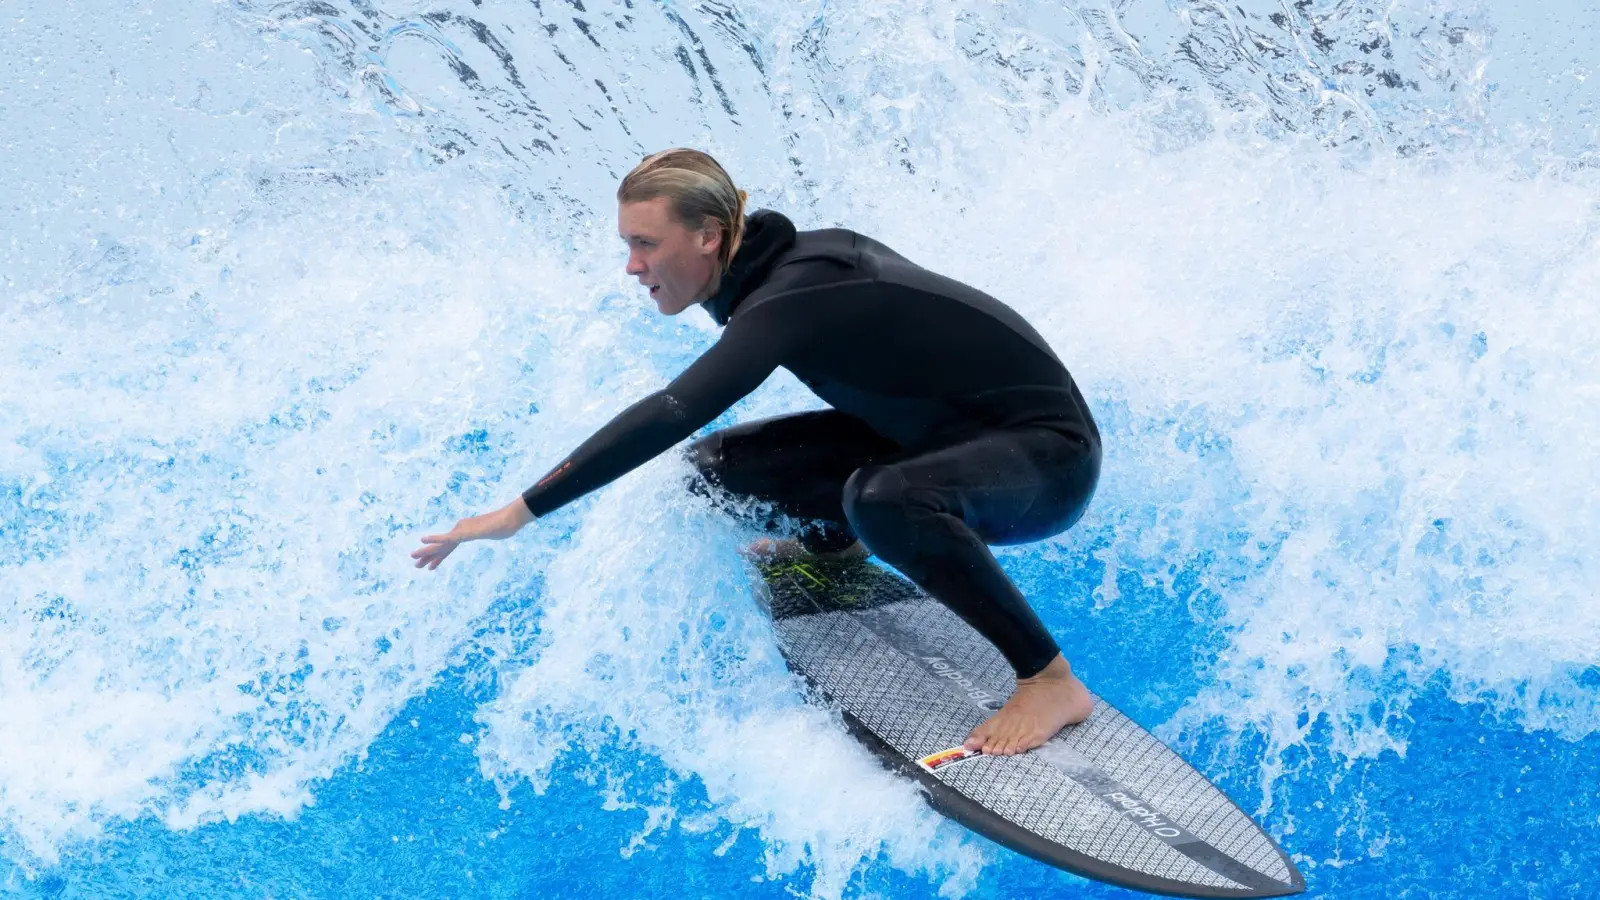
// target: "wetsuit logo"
[[943, 669], [1137, 811], [557, 471]]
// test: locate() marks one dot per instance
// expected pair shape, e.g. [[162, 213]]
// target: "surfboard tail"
[[1246, 881]]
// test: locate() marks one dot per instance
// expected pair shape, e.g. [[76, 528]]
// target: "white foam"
[[651, 641]]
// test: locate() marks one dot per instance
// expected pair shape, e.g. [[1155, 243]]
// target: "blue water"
[[286, 286]]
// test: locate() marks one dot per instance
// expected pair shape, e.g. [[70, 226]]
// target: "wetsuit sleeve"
[[734, 366]]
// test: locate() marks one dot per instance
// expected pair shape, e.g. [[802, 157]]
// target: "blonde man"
[[953, 424]]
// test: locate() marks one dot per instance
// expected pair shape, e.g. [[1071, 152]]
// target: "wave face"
[[288, 285]]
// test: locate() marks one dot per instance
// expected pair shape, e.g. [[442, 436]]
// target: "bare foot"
[[1041, 706], [768, 550]]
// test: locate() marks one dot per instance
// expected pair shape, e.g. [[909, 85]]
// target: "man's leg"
[[796, 464], [931, 515]]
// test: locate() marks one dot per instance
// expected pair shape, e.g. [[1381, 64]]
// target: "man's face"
[[677, 264]]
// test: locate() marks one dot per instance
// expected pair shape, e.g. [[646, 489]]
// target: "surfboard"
[[1105, 799]]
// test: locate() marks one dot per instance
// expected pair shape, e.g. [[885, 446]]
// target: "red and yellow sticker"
[[935, 761]]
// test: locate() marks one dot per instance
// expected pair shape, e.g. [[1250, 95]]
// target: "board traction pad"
[[1105, 799]]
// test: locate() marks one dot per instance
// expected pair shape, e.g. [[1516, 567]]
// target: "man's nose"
[[635, 265]]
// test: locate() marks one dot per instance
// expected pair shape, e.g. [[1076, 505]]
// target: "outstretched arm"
[[733, 367], [502, 523]]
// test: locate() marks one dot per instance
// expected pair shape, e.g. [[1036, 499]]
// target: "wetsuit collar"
[[766, 235]]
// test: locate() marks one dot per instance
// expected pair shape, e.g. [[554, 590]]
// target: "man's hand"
[[502, 523]]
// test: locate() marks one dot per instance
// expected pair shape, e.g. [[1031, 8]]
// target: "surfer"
[[952, 426]]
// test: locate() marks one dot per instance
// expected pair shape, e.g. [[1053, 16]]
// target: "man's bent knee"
[[875, 502], [709, 461]]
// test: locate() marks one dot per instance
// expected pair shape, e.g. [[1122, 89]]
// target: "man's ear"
[[712, 235]]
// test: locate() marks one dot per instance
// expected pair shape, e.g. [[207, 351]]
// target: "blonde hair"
[[697, 187]]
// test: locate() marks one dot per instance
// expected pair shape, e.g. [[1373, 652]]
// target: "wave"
[[297, 283]]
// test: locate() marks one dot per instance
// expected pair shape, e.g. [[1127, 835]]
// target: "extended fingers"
[[432, 555]]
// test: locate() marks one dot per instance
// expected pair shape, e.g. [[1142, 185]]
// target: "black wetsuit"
[[953, 423]]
